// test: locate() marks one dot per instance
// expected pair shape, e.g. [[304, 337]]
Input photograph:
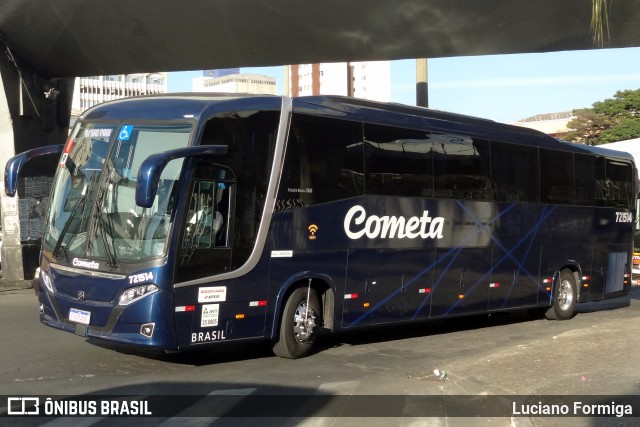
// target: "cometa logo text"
[[357, 224], [85, 263]]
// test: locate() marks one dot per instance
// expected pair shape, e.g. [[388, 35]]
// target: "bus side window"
[[323, 162], [399, 162], [589, 180], [206, 218], [557, 187], [618, 184], [461, 168], [514, 170], [205, 245]]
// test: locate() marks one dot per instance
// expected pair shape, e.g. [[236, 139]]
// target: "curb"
[[14, 285]]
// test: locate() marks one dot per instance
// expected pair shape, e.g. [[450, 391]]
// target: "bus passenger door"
[[204, 251], [204, 247]]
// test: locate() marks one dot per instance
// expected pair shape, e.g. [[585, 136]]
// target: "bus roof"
[[394, 114], [193, 106], [178, 106]]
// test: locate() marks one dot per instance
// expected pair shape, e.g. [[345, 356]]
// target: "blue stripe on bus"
[[428, 268], [533, 231]]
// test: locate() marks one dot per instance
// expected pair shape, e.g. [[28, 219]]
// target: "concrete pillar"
[[34, 112], [422, 83], [11, 252]]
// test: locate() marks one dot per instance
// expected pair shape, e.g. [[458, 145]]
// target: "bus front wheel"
[[299, 324], [565, 296]]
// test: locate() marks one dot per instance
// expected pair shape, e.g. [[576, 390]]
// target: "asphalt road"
[[508, 355]]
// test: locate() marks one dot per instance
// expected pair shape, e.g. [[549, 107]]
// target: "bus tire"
[[297, 334], [565, 296]]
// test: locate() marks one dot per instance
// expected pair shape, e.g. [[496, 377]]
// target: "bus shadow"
[[222, 353], [251, 350], [610, 304], [433, 327], [425, 328]]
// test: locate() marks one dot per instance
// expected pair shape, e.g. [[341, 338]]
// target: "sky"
[[505, 88]]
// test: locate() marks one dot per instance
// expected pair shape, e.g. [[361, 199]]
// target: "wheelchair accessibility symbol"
[[125, 132]]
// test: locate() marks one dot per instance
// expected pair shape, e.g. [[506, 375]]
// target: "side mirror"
[[16, 163], [152, 167]]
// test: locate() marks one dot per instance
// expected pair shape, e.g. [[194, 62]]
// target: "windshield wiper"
[[99, 221], [99, 225], [81, 202]]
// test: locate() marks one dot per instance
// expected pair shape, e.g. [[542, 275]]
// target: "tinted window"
[[250, 140], [323, 163], [556, 177], [514, 170], [204, 247], [398, 161], [461, 167], [618, 186], [589, 180], [226, 197]]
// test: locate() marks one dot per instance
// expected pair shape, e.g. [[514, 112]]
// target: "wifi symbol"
[[312, 231]]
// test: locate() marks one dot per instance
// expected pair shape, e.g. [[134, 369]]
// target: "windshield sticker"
[[65, 153], [63, 159], [212, 294], [97, 133], [125, 132]]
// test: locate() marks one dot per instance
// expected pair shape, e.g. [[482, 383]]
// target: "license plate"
[[79, 316]]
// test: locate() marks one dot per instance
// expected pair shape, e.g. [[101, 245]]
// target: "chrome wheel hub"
[[304, 322], [565, 295]]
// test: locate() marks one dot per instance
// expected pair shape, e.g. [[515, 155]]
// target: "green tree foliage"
[[611, 120], [626, 129]]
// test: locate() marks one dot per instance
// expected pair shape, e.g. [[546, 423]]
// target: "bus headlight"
[[138, 292]]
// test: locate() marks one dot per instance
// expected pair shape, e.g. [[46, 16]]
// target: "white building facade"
[[367, 80], [554, 124], [90, 91], [236, 83]]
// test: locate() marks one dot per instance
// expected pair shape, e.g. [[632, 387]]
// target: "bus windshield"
[[93, 212]]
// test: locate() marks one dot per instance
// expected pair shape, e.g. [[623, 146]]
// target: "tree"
[[626, 129], [611, 120]]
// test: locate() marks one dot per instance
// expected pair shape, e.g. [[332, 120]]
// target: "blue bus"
[[189, 220]]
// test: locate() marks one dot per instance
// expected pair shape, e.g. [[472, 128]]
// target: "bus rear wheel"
[[299, 324], [565, 296]]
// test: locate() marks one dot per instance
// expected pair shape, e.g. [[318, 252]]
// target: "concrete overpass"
[[46, 44]]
